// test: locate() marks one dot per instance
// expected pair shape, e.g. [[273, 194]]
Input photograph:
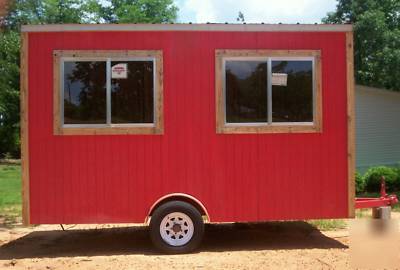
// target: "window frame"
[[108, 56], [222, 55]]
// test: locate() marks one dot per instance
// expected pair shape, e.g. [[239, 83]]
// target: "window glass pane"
[[292, 91], [132, 95], [246, 91], [84, 92]]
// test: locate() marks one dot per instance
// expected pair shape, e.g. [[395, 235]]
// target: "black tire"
[[171, 207]]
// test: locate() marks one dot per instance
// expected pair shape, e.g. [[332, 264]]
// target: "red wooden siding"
[[238, 177]]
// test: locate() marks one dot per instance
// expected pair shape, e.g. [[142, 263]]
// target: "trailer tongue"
[[383, 200]]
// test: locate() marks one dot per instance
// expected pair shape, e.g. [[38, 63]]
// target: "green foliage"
[[9, 93], [377, 39], [373, 179], [360, 183], [45, 12], [90, 11], [397, 169], [132, 11], [328, 224]]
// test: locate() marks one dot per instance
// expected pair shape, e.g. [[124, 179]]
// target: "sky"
[[255, 11]]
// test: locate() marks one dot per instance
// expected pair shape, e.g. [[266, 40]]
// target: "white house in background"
[[377, 127]]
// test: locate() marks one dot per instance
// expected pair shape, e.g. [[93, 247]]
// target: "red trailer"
[[177, 125]]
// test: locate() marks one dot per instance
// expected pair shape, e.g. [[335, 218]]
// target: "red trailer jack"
[[384, 200]]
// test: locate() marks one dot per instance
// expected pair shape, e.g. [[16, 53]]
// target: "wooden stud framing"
[[24, 109], [157, 128], [350, 123], [222, 127]]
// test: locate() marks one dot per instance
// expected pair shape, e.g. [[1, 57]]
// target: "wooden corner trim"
[[24, 132], [156, 129], [223, 128], [350, 123]]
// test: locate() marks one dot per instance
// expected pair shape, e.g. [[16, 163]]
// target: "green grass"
[[363, 213], [328, 224], [10, 193]]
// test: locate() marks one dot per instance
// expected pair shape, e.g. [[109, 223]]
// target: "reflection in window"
[[292, 100], [246, 91], [132, 93], [85, 92]]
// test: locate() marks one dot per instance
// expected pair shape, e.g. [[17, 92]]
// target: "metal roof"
[[190, 27]]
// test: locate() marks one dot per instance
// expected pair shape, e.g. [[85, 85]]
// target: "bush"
[[360, 183], [398, 174], [373, 176], [397, 185]]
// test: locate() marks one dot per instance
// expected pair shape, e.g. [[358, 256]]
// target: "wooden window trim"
[[156, 128], [228, 128]]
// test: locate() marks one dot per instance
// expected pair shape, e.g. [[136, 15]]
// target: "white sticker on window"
[[279, 79], [119, 71]]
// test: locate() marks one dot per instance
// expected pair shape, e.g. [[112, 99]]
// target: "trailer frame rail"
[[384, 199]]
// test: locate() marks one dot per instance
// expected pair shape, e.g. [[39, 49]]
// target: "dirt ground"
[[271, 245], [288, 245]]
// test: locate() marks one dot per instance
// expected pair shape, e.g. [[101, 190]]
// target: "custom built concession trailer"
[[177, 125]]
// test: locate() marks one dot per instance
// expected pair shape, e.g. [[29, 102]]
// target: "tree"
[[90, 11], [58, 11], [45, 12], [240, 17], [376, 39], [133, 11], [9, 93]]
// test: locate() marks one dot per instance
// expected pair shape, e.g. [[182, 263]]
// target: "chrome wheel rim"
[[176, 229]]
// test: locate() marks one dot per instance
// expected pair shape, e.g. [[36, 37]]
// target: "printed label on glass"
[[279, 79], [119, 71]]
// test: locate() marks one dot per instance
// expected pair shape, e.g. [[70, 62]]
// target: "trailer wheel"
[[176, 227]]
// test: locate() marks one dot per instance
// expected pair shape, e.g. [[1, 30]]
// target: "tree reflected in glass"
[[132, 97], [246, 91], [85, 92], [293, 102]]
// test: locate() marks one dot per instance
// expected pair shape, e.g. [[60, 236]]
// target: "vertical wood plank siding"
[[238, 177]]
